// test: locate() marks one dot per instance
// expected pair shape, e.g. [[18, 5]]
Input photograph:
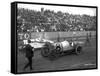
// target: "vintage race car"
[[62, 47], [48, 47], [38, 44]]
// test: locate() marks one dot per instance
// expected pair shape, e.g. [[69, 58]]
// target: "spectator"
[[58, 20]]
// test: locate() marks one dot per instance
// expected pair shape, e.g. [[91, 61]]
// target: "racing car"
[[62, 47], [37, 43], [49, 47]]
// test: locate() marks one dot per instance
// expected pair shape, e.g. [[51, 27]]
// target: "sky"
[[65, 9]]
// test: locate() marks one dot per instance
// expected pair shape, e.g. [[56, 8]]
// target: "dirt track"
[[87, 59]]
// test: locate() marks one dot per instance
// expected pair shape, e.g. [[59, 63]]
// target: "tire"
[[78, 50], [45, 52]]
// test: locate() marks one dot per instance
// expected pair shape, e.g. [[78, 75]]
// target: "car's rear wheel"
[[45, 52], [78, 50]]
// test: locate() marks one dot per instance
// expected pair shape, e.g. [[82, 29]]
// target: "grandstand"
[[51, 21]]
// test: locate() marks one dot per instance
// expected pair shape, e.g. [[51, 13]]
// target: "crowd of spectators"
[[51, 21]]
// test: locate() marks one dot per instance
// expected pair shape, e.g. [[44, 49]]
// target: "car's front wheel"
[[45, 52]]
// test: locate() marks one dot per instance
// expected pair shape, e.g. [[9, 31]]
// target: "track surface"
[[87, 59]]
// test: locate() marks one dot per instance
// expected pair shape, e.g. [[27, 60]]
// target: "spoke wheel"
[[45, 52]]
